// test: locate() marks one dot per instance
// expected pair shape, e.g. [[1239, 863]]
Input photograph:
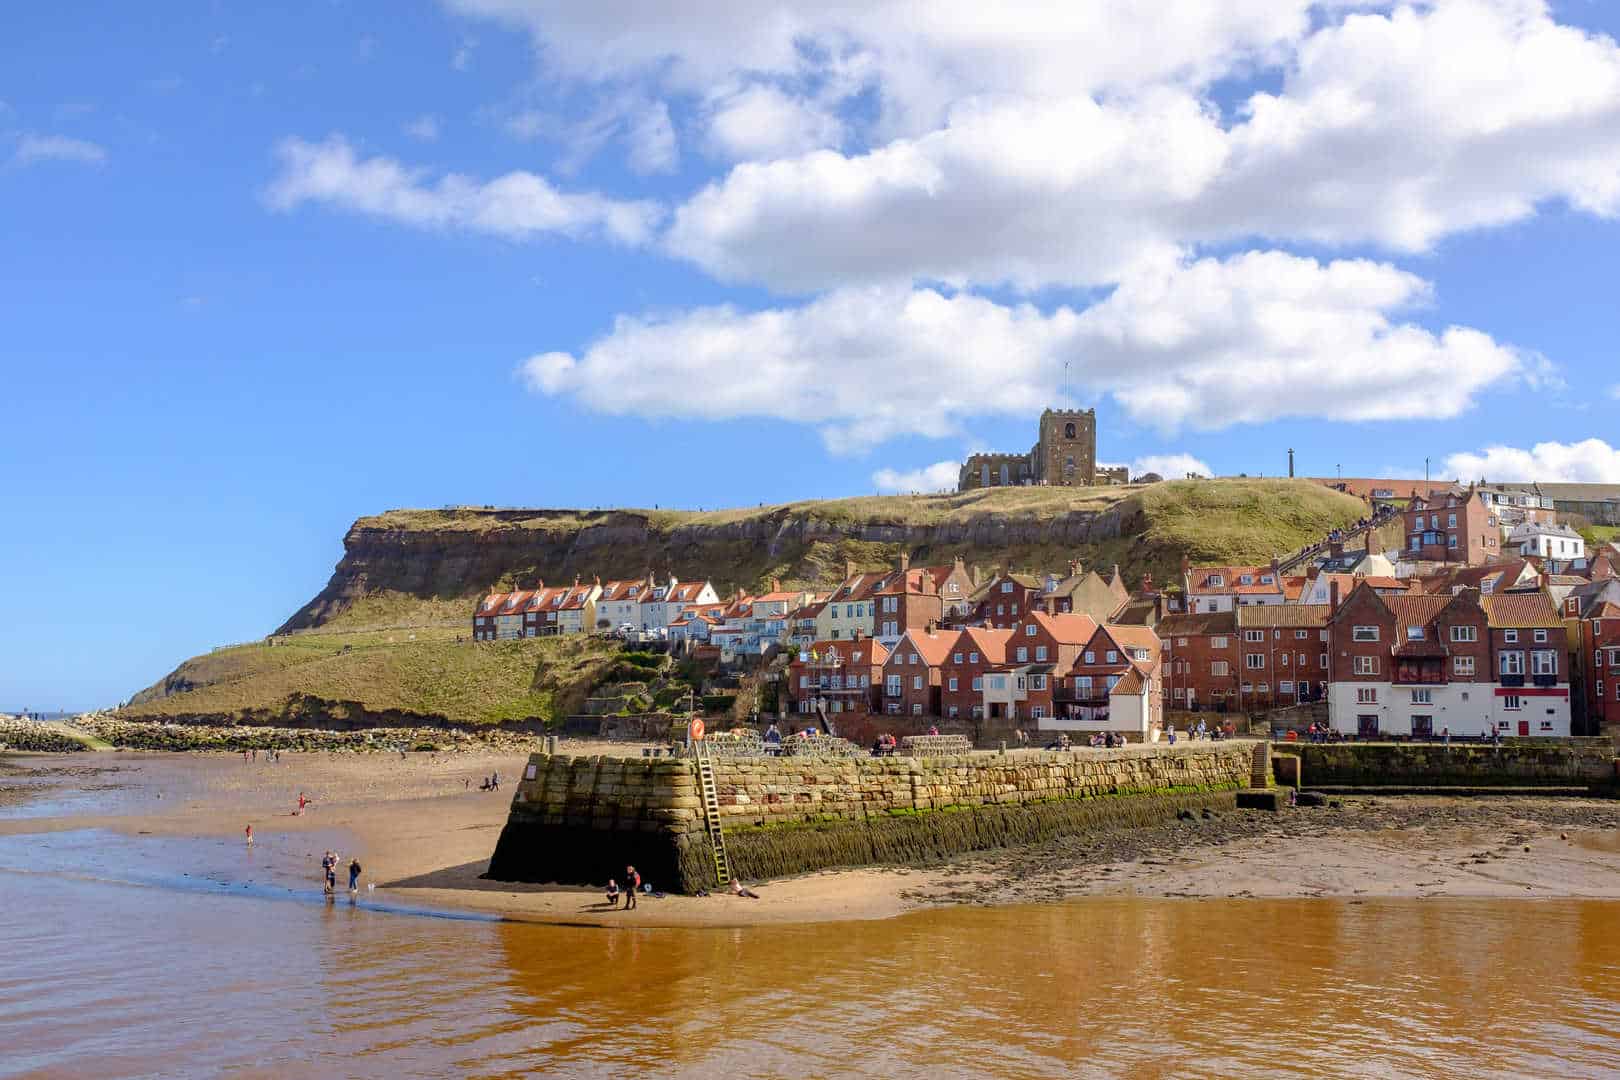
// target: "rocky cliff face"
[[517, 548]]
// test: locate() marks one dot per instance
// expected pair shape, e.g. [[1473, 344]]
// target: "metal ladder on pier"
[[711, 813]]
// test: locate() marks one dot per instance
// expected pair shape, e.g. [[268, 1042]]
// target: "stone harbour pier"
[[581, 819]]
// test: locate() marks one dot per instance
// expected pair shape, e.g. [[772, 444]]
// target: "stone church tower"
[[1066, 453]]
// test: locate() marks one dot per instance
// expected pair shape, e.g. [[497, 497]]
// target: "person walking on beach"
[[250, 836], [354, 875], [302, 802], [632, 886]]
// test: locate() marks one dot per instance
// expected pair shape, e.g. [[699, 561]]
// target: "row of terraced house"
[[1513, 645]]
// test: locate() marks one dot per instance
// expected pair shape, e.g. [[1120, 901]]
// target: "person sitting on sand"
[[738, 889], [613, 893]]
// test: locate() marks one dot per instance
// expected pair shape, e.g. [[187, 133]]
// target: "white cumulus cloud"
[[761, 121], [1201, 345], [1170, 466], [1590, 461], [33, 149], [940, 476], [518, 205], [1393, 129]]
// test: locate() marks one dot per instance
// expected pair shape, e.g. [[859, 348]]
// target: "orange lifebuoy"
[[695, 729]]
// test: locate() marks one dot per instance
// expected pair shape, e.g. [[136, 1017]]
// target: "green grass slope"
[[422, 674]]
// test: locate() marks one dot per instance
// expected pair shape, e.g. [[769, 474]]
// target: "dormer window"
[[1006, 586], [1266, 579], [1246, 579], [1414, 633], [1217, 579]]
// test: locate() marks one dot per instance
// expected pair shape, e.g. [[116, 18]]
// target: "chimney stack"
[[1275, 567], [1375, 546], [905, 561], [973, 575], [1186, 566], [776, 584], [1147, 583], [1333, 594], [1051, 604], [849, 569]]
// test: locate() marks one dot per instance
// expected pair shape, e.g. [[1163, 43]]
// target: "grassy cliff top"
[[919, 510]]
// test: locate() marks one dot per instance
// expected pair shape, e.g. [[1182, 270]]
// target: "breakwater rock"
[[20, 734], [142, 735], [578, 819]]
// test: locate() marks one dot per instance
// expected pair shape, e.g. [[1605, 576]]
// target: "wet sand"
[[424, 834]]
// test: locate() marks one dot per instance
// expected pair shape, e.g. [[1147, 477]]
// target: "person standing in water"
[[354, 875], [250, 835]]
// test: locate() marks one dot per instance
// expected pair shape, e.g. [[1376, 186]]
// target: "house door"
[[1524, 727], [1367, 726]]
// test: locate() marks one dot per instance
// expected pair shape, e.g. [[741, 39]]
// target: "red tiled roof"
[[1606, 610], [1516, 610], [1232, 576], [1068, 628], [933, 648], [1283, 616], [988, 643], [1201, 625], [855, 650]]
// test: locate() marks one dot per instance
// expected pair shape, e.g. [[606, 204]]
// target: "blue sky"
[[265, 272]]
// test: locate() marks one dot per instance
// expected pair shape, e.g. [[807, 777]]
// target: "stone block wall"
[[1515, 763], [582, 819]]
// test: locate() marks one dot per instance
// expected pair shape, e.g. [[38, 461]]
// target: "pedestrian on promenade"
[[354, 875], [632, 886]]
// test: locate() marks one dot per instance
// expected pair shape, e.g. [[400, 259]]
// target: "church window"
[[1068, 431]]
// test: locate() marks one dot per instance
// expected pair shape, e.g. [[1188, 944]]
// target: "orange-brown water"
[[113, 965]]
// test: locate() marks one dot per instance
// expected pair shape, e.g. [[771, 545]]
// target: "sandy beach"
[[424, 833]]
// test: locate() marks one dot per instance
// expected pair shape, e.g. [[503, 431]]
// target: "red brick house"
[[1454, 527], [1283, 653], [1420, 665], [842, 677], [1040, 649], [1004, 600], [977, 650], [1201, 660], [1087, 684], [911, 674], [1600, 645]]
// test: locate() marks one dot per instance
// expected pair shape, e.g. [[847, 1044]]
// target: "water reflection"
[[109, 980]]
